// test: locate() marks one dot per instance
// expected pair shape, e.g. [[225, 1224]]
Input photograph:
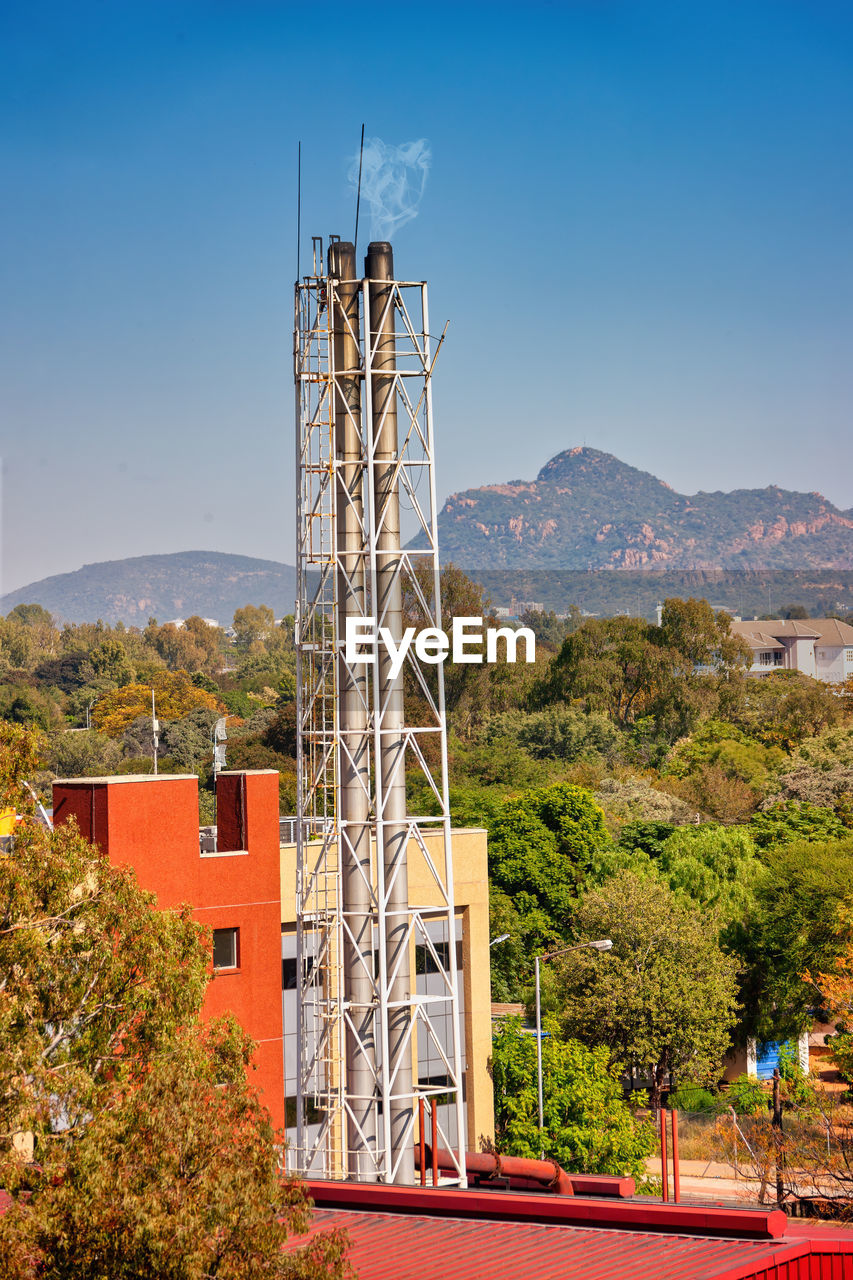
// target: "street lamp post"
[[602, 944]]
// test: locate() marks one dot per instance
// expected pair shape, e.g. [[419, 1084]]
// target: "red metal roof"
[[393, 1246], [446, 1234]]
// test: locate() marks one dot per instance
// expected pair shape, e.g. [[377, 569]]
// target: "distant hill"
[[208, 583], [586, 510]]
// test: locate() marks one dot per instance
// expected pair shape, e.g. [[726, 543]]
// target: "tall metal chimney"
[[391, 827], [377, 1045], [354, 818]]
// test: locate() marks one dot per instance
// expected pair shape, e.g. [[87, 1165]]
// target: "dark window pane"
[[225, 948], [288, 972], [425, 961], [313, 1114]]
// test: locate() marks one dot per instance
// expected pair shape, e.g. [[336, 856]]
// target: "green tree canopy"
[[724, 745], [712, 867], [795, 820], [663, 1001], [558, 732], [588, 1126], [631, 670], [800, 924], [541, 845], [194, 646], [786, 707]]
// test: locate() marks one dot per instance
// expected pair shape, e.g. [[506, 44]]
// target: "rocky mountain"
[[587, 510], [208, 583]]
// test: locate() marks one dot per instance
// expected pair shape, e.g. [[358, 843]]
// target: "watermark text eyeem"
[[432, 645]]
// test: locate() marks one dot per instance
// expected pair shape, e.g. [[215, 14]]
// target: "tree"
[[82, 754], [253, 624], [631, 669], [799, 924], [38, 623], [795, 820], [188, 741], [79, 1010], [176, 696], [631, 797], [22, 703], [693, 629], [109, 662], [786, 707], [663, 1001], [194, 646], [34, 616], [177, 1177], [714, 868], [724, 745], [557, 733], [588, 1126], [647, 836], [541, 845], [611, 665], [152, 1154], [550, 630], [819, 771]]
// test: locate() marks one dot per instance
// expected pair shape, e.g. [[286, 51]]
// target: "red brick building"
[[151, 824]]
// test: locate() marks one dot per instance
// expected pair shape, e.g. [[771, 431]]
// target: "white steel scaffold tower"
[[374, 1037]]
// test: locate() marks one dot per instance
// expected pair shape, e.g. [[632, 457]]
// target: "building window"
[[289, 972], [425, 961], [848, 655], [313, 1113], [428, 1083], [765, 658], [226, 948]]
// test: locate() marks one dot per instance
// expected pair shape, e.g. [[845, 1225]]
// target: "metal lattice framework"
[[363, 360]]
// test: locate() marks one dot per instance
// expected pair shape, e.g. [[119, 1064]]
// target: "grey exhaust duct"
[[391, 777], [354, 852]]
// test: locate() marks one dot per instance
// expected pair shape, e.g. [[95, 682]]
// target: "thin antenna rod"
[[358, 193], [298, 204]]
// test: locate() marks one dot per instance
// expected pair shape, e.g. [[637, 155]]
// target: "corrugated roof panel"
[[392, 1246]]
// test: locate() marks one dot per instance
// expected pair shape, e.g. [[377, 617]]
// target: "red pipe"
[[491, 1165], [664, 1164], [626, 1215], [676, 1179], [421, 1142], [434, 1113]]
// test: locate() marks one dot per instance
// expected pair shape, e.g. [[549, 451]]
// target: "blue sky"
[[638, 221]]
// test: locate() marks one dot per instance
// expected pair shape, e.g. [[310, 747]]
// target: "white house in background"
[[819, 647]]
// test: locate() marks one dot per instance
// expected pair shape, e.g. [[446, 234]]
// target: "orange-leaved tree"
[[131, 1140], [175, 696]]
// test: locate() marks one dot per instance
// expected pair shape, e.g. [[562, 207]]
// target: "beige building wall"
[[471, 896]]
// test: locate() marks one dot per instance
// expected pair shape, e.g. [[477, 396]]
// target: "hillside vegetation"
[[208, 583], [587, 510], [635, 783]]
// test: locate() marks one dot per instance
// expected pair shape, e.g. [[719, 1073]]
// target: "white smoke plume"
[[393, 180]]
